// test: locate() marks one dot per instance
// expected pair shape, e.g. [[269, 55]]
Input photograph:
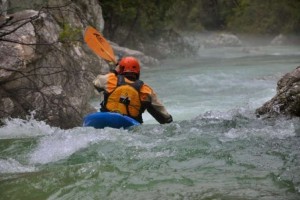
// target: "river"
[[216, 148]]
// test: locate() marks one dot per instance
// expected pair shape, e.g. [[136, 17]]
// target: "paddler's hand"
[[112, 66], [117, 69]]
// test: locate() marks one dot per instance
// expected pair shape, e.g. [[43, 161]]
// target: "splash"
[[20, 128], [64, 143], [13, 166]]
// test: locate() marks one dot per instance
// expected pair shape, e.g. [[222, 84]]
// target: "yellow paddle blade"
[[99, 44]]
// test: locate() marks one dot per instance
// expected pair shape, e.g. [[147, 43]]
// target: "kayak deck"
[[100, 120]]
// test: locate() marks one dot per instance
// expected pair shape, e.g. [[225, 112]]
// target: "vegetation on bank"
[[149, 19], [152, 26], [125, 19]]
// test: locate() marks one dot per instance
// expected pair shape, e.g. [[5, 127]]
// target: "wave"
[[53, 144]]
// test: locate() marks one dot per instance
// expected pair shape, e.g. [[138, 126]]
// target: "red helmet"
[[129, 64]]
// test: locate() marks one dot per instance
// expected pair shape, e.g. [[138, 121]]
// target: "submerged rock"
[[287, 99]]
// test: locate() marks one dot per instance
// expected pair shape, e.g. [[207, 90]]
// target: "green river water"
[[216, 148]]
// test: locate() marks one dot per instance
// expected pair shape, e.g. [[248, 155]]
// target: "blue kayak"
[[108, 119]]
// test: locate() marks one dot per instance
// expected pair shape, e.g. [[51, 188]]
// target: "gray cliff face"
[[40, 73], [286, 102]]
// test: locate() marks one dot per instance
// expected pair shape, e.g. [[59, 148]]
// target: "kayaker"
[[126, 94]]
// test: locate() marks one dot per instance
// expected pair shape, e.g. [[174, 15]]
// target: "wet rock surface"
[[286, 102]]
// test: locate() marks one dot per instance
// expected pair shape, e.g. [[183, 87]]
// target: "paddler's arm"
[[100, 81], [158, 111]]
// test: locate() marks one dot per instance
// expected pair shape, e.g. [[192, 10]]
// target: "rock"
[[223, 40], [169, 44], [7, 105], [279, 40], [282, 40], [12, 50], [3, 8], [144, 59], [287, 99], [41, 74]]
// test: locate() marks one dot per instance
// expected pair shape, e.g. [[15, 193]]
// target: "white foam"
[[13, 166], [19, 128], [282, 129], [64, 143]]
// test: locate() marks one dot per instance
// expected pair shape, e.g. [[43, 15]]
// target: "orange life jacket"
[[124, 99]]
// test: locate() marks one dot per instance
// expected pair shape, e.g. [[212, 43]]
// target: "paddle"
[[99, 44]]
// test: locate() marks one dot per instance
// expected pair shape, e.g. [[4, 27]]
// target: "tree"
[[266, 17]]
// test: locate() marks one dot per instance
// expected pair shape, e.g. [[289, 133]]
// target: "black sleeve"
[[98, 89], [158, 116]]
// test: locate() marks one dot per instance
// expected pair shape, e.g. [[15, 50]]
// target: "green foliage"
[[185, 15], [69, 33], [126, 20], [146, 17], [266, 17]]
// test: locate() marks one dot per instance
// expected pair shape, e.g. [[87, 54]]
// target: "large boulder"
[[39, 73], [287, 99]]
